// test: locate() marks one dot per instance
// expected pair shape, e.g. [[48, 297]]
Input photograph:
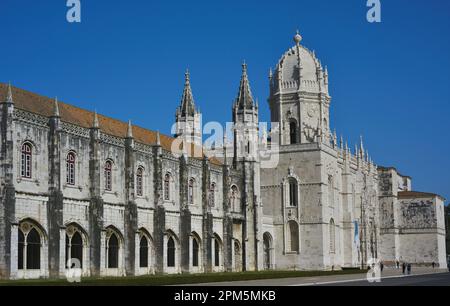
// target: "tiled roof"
[[44, 106]]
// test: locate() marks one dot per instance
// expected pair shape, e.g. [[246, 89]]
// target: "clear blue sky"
[[389, 81]]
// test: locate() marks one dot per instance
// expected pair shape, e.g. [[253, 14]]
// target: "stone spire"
[[244, 99], [95, 123], [187, 107], [56, 108], [361, 147], [9, 98], [130, 130]]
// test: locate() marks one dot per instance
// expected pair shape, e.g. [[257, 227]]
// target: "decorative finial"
[[130, 130], [244, 67], [9, 98], [95, 123], [56, 108], [187, 75], [298, 38], [270, 73]]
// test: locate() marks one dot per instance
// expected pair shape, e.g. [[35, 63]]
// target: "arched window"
[[74, 248], [267, 244], [195, 252], [293, 192], [167, 187], [113, 251], [293, 236], [140, 182], [330, 191], [216, 252], [171, 252], [332, 236], [191, 191], [27, 153], [143, 252], [29, 247], [70, 168], [293, 132], [108, 175], [212, 195]]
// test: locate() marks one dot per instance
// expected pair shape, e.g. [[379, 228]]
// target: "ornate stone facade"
[[115, 197]]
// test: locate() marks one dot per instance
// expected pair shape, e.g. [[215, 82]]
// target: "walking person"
[[433, 264], [381, 266], [403, 268], [409, 269]]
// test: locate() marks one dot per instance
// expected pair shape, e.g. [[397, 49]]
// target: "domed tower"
[[299, 98]]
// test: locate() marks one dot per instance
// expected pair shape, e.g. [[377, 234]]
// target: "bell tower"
[[188, 117]]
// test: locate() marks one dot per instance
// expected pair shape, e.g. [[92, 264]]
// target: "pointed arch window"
[[113, 251], [216, 252], [74, 248], [29, 247], [140, 182], [143, 252], [171, 252], [70, 169], [191, 191], [108, 175], [26, 158], [195, 252]]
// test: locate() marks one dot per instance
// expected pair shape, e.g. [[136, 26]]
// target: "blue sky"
[[389, 81]]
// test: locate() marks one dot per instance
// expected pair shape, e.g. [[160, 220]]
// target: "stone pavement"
[[305, 281]]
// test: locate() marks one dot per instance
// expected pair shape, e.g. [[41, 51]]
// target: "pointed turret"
[[130, 130], [95, 123], [187, 107], [361, 148], [9, 97], [244, 99]]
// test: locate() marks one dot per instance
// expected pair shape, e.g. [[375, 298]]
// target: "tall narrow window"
[[26, 160], [212, 195], [216, 252], [113, 251], [20, 250], [143, 252], [139, 182], [70, 169], [171, 252], [33, 250], [293, 132], [195, 251], [332, 237], [167, 187], [74, 248], [293, 192], [191, 191], [108, 175]]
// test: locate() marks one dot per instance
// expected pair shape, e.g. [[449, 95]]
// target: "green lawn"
[[158, 280]]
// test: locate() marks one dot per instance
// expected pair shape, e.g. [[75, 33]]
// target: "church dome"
[[289, 78]]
